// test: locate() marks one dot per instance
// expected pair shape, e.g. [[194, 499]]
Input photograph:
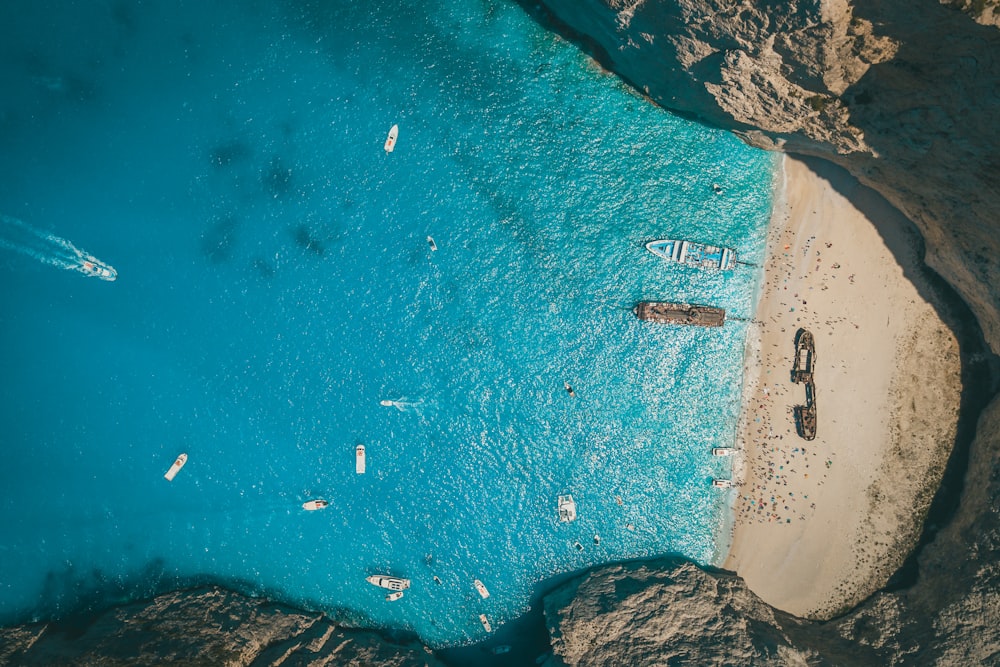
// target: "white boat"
[[694, 254], [385, 581], [722, 483], [723, 451], [392, 597], [434, 246], [313, 505], [359, 459], [486, 622], [176, 467], [390, 141], [92, 266], [567, 508], [481, 588]]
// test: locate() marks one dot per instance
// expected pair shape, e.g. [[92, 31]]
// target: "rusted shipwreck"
[[680, 313], [802, 372]]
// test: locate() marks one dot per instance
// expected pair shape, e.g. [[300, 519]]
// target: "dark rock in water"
[[305, 239], [208, 626], [277, 178], [226, 153], [263, 267], [218, 241]]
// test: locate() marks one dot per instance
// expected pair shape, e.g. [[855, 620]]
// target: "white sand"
[[820, 525]]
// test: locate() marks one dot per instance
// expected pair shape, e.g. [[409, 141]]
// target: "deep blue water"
[[275, 284]]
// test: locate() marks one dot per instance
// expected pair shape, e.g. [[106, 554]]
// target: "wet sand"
[[819, 525]]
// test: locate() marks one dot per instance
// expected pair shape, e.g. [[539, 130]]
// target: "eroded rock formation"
[[209, 626]]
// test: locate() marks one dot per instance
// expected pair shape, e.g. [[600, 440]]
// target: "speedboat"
[[567, 508], [313, 505], [481, 588], [392, 597], [176, 467], [486, 622], [390, 141], [722, 483], [723, 451], [359, 459], [91, 266], [385, 581], [434, 246]]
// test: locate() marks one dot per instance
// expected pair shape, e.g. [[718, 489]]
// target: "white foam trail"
[[21, 237]]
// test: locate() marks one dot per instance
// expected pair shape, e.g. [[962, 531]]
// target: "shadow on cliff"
[[980, 369]]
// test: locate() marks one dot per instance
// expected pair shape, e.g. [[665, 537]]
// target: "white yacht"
[[176, 467], [386, 581], [567, 508], [723, 451], [359, 459], [486, 622], [722, 483], [481, 588], [390, 141], [313, 505]]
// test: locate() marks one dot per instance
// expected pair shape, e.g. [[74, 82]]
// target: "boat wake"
[[49, 249]]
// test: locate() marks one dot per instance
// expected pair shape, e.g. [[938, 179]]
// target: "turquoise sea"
[[275, 283]]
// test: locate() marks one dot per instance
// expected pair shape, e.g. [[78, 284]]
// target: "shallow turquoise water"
[[275, 284]]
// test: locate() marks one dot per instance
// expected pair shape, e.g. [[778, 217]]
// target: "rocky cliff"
[[211, 627]]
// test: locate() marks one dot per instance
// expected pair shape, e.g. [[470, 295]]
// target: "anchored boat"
[[567, 508], [390, 141], [694, 254], [680, 313], [386, 581], [481, 588], [359, 459], [313, 505], [176, 467], [486, 623]]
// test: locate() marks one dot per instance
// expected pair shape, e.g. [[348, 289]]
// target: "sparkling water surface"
[[275, 284]]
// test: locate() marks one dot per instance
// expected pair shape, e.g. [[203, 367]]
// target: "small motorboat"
[[91, 266], [390, 141], [430, 241], [481, 588], [176, 467], [722, 483], [723, 451], [567, 508], [313, 505], [359, 459], [500, 650], [392, 597], [386, 581], [486, 622]]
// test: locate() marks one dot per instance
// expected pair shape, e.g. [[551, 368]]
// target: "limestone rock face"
[[902, 93], [211, 627]]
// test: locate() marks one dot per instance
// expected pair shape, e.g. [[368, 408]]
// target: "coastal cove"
[[855, 547], [278, 305], [821, 197]]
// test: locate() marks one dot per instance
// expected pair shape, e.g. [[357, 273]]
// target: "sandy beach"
[[819, 525]]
